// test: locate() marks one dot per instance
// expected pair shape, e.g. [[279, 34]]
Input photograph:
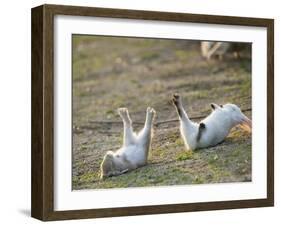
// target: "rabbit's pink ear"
[[246, 124]]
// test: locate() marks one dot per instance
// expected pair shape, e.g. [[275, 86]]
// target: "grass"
[[185, 155], [109, 73]]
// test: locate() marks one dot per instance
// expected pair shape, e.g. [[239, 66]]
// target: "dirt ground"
[[110, 72]]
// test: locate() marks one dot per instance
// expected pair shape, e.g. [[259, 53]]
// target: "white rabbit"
[[214, 128], [134, 151]]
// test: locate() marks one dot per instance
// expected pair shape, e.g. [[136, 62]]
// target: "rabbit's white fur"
[[214, 128], [134, 151]]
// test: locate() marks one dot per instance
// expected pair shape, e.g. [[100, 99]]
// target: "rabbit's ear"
[[214, 106]]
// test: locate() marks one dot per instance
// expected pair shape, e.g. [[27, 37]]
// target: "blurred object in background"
[[220, 49], [214, 49]]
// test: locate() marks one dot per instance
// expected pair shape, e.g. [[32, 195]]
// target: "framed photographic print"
[[141, 112]]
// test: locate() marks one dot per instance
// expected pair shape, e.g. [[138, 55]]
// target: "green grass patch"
[[147, 56], [185, 155]]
